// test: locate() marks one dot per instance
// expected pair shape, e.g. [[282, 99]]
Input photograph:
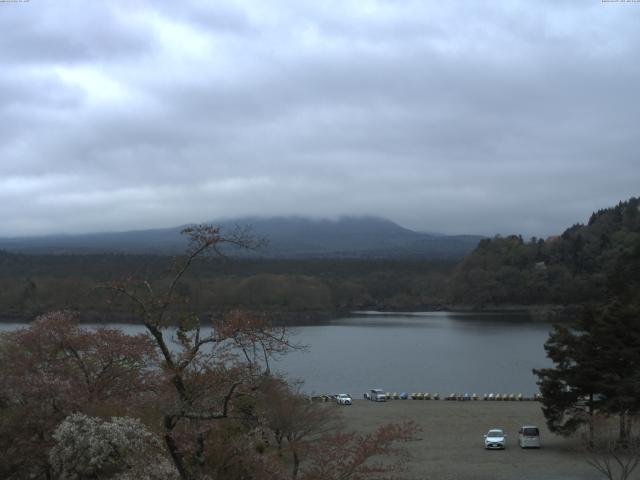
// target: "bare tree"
[[350, 455], [206, 371], [616, 459], [295, 422]]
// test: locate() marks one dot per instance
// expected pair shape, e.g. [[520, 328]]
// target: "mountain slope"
[[287, 237]]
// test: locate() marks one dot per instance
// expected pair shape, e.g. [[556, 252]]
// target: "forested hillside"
[[299, 290], [586, 264]]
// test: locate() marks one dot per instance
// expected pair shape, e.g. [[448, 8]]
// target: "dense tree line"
[[586, 264], [298, 289]]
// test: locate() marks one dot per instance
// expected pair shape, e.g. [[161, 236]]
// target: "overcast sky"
[[446, 116]]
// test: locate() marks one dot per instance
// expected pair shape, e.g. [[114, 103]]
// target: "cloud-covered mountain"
[[287, 237]]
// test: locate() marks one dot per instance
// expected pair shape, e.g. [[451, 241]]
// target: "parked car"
[[344, 399], [377, 395], [529, 437], [495, 438]]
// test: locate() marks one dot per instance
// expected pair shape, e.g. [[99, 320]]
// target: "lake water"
[[441, 352]]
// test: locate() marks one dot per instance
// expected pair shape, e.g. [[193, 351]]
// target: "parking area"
[[451, 445]]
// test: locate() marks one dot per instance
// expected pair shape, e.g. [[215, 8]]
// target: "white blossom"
[[119, 449]]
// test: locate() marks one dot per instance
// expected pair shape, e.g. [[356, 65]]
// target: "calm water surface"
[[427, 352], [441, 352]]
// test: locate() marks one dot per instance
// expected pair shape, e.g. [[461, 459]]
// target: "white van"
[[377, 395], [529, 437]]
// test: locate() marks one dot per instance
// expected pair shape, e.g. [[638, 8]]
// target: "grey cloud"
[[479, 118], [213, 17], [38, 92], [49, 32]]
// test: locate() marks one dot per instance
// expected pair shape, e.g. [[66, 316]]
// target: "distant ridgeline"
[[287, 237], [313, 270], [309, 269], [586, 264]]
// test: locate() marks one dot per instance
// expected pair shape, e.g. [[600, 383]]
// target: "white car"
[[529, 436], [344, 399], [495, 438], [377, 395]]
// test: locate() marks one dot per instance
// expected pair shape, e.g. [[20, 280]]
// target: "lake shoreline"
[[536, 313]]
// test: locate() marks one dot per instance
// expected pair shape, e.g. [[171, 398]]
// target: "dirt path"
[[451, 443]]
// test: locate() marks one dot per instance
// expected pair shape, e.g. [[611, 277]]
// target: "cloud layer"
[[460, 117]]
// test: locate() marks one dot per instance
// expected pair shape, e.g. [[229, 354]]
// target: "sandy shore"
[[450, 446]]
